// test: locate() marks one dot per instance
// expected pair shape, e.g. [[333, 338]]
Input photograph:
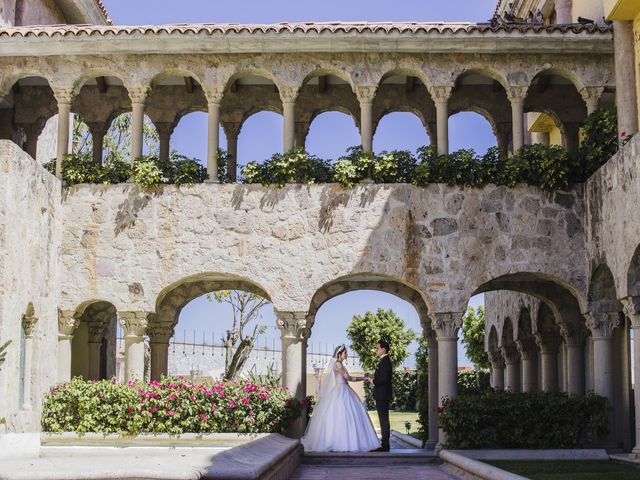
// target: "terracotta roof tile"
[[301, 28]]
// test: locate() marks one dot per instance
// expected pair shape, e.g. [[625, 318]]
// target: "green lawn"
[[397, 420], [570, 470]]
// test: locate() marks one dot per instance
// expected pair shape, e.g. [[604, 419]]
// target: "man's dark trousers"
[[382, 394], [385, 427]]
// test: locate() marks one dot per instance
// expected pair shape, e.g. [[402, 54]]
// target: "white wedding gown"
[[339, 423]]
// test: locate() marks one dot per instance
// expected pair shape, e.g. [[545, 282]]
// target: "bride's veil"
[[328, 380]]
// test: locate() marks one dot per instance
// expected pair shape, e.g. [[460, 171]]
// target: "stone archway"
[[172, 300]]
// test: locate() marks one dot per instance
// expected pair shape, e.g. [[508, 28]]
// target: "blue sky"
[[330, 134]]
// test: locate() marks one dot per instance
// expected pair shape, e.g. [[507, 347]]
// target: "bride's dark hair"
[[339, 349]]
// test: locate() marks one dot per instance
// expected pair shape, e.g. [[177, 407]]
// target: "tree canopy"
[[365, 331], [473, 337]]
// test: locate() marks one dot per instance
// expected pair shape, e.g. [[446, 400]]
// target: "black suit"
[[382, 394]]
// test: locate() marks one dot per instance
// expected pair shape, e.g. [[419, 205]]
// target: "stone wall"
[[128, 247], [30, 234], [613, 219]]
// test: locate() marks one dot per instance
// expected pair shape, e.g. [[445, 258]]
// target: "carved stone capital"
[[288, 93], [510, 354], [517, 93], [165, 128], [139, 94], [98, 128], [294, 325], [232, 129], [29, 320], [366, 93], [602, 325], [160, 332], [527, 348], [573, 334], [497, 360], [591, 96], [134, 324], [67, 322], [631, 307], [446, 325], [63, 95], [96, 331], [213, 93], [440, 93]]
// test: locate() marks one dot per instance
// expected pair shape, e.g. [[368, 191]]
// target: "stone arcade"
[[75, 259]]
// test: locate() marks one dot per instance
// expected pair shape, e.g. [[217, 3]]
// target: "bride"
[[339, 422]]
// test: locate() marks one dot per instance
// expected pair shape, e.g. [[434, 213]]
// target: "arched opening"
[[402, 92], [175, 95], [267, 126], [479, 112], [117, 141], [356, 311], [99, 100], [209, 326], [400, 130], [330, 134], [93, 348], [470, 130], [25, 115], [251, 104], [327, 94]]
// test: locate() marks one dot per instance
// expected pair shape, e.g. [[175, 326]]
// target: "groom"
[[382, 392]]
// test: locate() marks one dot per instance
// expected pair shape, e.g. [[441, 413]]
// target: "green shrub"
[[354, 167], [405, 391], [501, 419], [599, 143], [172, 406], [294, 166]]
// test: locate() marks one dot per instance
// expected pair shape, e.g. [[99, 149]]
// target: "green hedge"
[[405, 391], [501, 419], [172, 406]]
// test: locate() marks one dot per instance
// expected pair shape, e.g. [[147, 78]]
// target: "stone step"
[[403, 456]]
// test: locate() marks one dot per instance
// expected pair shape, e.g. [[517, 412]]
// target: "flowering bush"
[[172, 405], [295, 166]]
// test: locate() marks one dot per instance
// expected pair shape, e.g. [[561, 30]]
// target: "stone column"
[[632, 310], [366, 94], [563, 11], [134, 325], [440, 96], [626, 95], [512, 361], [571, 136], [549, 345], [160, 336], [516, 96], [302, 129], [98, 132], [67, 323], [446, 326], [64, 97], [32, 131], [288, 95], [164, 129], [503, 134], [96, 334], [574, 338], [232, 131], [591, 96], [602, 326], [29, 321], [433, 398], [138, 97], [497, 370], [295, 330], [529, 353], [214, 96]]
